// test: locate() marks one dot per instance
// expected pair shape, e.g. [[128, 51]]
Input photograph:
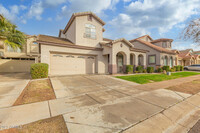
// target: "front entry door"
[[119, 63]]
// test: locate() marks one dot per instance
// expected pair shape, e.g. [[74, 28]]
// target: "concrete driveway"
[[101, 103], [11, 86]]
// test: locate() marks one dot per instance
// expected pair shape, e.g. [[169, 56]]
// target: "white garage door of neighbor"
[[67, 64]]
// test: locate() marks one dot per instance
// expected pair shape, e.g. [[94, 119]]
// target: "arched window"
[[171, 62], [90, 31], [140, 60], [165, 61]]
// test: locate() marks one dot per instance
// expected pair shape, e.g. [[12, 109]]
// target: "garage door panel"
[[62, 64]]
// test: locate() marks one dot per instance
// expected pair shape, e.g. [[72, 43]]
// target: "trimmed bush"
[[129, 69], [150, 69], [39, 70], [166, 68], [144, 71], [160, 70], [172, 70], [181, 68], [136, 72], [139, 69], [178, 68]]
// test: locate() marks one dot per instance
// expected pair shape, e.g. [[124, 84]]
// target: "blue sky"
[[124, 18]]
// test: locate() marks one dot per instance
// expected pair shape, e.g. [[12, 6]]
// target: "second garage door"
[[68, 64]]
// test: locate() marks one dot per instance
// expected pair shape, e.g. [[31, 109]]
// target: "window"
[[10, 49], [152, 59], [90, 31], [35, 43], [164, 44]]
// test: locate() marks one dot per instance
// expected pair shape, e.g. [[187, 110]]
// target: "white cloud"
[[9, 14], [54, 3], [96, 6], [36, 10], [23, 7], [182, 45], [140, 16], [126, 0], [49, 19]]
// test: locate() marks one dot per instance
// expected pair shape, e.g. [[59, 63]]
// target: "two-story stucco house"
[[81, 49], [159, 51]]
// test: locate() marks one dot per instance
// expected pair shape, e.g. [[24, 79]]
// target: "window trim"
[[85, 36], [149, 59]]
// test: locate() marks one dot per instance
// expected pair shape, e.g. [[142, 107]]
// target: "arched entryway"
[[140, 60], [171, 62], [165, 61], [120, 58]]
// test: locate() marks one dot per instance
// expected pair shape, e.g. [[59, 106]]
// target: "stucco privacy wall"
[[101, 61], [80, 31], [7, 65], [151, 52]]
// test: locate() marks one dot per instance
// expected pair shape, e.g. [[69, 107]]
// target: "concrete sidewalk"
[[10, 91]]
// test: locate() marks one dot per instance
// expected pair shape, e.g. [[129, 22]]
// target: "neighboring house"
[[81, 49], [188, 57], [17, 60], [159, 51]]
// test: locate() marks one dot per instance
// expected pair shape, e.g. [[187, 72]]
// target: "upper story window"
[[90, 31], [164, 44], [16, 50]]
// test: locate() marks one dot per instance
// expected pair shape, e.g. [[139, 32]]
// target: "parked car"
[[195, 67]]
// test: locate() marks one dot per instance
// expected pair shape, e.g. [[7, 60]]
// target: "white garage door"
[[67, 64]]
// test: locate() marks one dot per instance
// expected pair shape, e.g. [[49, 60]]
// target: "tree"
[[192, 31], [13, 37]]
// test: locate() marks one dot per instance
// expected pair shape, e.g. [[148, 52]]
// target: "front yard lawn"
[[148, 78]]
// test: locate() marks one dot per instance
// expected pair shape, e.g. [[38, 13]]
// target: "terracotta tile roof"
[[161, 40], [74, 15], [106, 39], [140, 38], [139, 50], [52, 39], [186, 51], [160, 49]]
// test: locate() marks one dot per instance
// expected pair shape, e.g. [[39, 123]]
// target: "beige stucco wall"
[[7, 65], [101, 61], [80, 30], [71, 32]]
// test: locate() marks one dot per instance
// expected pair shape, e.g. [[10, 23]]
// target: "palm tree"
[[13, 37]]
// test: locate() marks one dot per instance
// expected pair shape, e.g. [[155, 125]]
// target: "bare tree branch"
[[192, 31]]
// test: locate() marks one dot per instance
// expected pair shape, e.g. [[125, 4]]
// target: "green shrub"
[[178, 68], [129, 69], [166, 68], [159, 70], [135, 71], [139, 69], [181, 68], [150, 69], [39, 70], [144, 71], [172, 70]]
